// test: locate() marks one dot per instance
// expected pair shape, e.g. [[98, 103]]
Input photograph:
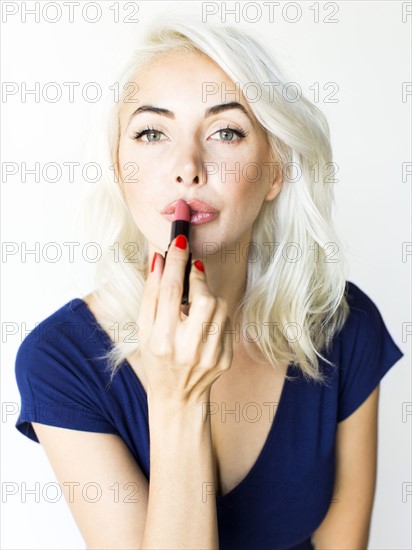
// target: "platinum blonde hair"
[[308, 293]]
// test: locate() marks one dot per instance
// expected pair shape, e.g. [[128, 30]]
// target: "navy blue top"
[[287, 493]]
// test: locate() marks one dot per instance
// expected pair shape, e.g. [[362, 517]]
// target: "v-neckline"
[[266, 444], [273, 428]]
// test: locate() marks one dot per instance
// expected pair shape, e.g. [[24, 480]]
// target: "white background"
[[366, 53]]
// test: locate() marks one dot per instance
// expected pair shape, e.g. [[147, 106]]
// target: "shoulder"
[[364, 322], [65, 324], [60, 370], [365, 327], [52, 329], [363, 310], [64, 339], [365, 352]]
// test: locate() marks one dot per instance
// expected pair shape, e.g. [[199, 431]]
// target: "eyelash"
[[137, 135]]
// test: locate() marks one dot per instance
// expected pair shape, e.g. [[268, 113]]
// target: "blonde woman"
[[246, 418]]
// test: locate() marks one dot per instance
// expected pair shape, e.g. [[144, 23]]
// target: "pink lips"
[[194, 205], [194, 212]]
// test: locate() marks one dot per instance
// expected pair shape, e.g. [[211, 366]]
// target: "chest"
[[243, 406]]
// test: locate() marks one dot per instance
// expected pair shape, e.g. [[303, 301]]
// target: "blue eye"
[[153, 135], [230, 132], [149, 132]]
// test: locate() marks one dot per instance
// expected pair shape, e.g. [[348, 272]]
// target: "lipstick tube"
[[181, 226]]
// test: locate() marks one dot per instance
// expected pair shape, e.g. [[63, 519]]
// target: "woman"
[[260, 396]]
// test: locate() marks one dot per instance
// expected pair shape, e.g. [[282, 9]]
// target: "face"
[[220, 157]]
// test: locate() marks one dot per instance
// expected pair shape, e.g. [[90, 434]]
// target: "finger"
[[171, 287], [197, 285], [225, 360], [217, 350], [202, 308], [150, 295], [206, 322], [214, 337], [199, 292]]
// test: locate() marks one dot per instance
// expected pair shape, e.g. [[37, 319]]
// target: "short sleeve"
[[53, 392], [372, 353]]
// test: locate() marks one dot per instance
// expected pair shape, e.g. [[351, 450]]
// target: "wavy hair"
[[306, 292]]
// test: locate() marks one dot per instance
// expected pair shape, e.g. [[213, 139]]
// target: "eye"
[[152, 134], [228, 133]]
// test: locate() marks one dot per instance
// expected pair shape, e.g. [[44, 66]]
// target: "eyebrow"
[[214, 110]]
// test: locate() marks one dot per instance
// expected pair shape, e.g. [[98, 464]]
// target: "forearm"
[[181, 510]]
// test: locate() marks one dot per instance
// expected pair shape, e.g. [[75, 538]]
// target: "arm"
[[347, 523], [169, 514], [181, 511], [117, 518]]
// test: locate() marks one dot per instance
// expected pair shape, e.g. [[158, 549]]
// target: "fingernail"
[[153, 262], [199, 265], [181, 242]]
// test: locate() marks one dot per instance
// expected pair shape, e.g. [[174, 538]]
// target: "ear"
[[117, 172], [120, 183], [276, 173]]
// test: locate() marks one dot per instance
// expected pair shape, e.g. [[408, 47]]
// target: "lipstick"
[[181, 226]]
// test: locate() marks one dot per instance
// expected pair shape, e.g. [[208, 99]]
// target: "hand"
[[179, 359]]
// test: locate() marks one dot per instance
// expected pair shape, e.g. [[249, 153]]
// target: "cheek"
[[255, 182], [129, 177], [246, 195], [245, 201], [138, 159], [127, 160], [252, 182], [248, 167], [133, 174]]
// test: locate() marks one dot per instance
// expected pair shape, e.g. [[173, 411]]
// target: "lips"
[[195, 206]]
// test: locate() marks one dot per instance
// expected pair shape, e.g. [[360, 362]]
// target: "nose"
[[195, 179], [188, 169]]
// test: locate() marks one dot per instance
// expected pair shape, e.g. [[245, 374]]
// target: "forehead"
[[182, 59], [184, 78]]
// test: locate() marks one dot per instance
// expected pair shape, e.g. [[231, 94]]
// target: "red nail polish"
[[153, 262], [199, 265], [181, 242]]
